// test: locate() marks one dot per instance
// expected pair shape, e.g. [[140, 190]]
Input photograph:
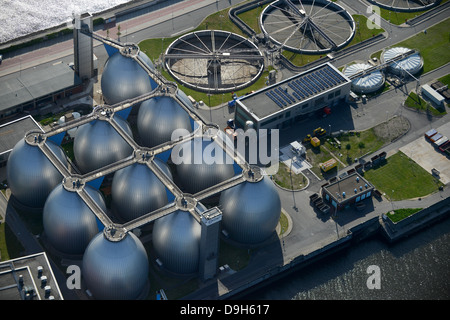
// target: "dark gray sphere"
[[176, 239], [251, 211], [200, 165], [31, 176], [115, 270], [98, 144], [123, 78], [136, 190], [158, 117], [69, 224]]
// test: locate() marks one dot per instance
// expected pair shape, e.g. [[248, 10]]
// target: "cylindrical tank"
[[158, 117], [251, 211], [409, 65], [69, 224], [367, 83], [176, 239], [201, 164], [115, 270], [123, 78], [98, 144], [31, 176], [136, 190]]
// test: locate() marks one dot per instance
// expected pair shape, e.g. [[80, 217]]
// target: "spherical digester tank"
[[68, 222], [158, 118], [251, 211], [123, 78], [201, 164], [31, 176], [176, 239], [136, 190], [98, 144], [115, 270]]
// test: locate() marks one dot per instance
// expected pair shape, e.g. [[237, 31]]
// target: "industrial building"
[[28, 278], [347, 191], [35, 89], [291, 100]]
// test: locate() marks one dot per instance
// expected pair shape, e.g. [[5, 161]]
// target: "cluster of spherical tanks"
[[119, 269]]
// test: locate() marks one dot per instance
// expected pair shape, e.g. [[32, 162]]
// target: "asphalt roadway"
[[309, 231]]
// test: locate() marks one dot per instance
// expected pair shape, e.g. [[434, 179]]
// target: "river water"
[[22, 17], [417, 267]]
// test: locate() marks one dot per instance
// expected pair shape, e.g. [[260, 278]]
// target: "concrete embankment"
[[394, 231]]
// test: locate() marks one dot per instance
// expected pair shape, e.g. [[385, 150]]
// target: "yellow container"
[[315, 142], [327, 165]]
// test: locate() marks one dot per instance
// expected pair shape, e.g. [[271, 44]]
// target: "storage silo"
[[251, 211], [116, 270], [136, 190], [366, 83], [409, 65], [158, 118], [98, 144], [123, 78], [68, 222], [176, 240], [201, 164], [31, 176]]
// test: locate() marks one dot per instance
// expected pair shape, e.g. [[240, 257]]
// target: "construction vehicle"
[[307, 139], [319, 132]]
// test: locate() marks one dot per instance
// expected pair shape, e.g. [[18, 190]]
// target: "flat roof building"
[[279, 105], [34, 88], [28, 278], [347, 191]]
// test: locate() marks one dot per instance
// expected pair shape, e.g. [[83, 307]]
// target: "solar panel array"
[[306, 86]]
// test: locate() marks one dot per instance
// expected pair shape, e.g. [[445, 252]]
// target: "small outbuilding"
[[347, 191]]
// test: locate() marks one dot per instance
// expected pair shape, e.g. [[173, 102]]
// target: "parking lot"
[[428, 157]]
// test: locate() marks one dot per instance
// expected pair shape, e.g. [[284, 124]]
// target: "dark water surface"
[[417, 267]]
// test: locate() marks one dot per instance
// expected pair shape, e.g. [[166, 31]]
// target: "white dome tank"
[[136, 190], [365, 84], [116, 270], [68, 222], [412, 64], [31, 176], [123, 78], [251, 211], [98, 144], [200, 167], [176, 239], [158, 117]]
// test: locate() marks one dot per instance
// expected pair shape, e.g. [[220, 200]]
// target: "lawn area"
[[433, 45], [400, 214], [355, 144], [283, 178], [10, 247], [416, 102], [401, 178]]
